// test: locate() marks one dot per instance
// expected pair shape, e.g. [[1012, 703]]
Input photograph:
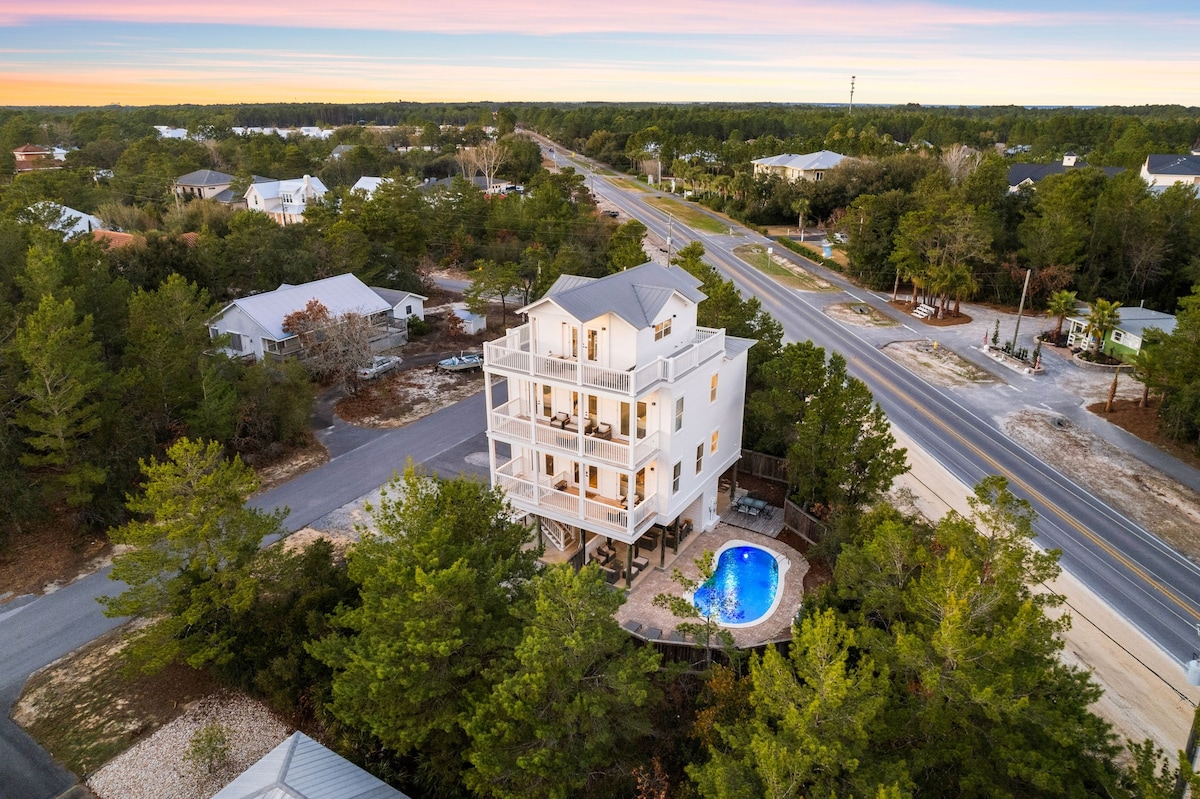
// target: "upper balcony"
[[514, 422], [515, 353]]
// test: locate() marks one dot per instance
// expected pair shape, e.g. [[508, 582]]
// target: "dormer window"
[[662, 329]]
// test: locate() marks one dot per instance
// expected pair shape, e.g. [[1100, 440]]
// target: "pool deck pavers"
[[639, 605]]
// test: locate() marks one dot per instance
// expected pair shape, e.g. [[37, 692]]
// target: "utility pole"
[[1020, 308], [670, 230], [852, 95]]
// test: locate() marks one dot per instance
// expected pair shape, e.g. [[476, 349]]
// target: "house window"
[[550, 464], [1118, 337], [593, 477], [593, 345], [699, 458], [213, 333], [408, 310], [574, 343], [641, 420], [625, 420], [678, 414], [593, 404], [235, 342], [662, 329], [678, 474], [712, 388], [819, 176], [715, 436], [547, 400]]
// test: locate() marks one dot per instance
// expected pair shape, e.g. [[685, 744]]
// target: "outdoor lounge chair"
[[560, 420], [604, 431]]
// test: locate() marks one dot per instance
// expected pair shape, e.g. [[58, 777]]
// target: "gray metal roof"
[[395, 296], [1135, 320], [635, 295], [822, 159], [1173, 164], [735, 346], [300, 768], [1019, 173], [204, 177], [341, 294]]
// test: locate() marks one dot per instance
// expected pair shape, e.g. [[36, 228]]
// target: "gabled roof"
[[1134, 320], [204, 177], [823, 159], [368, 184], [1019, 173], [270, 189], [341, 294], [300, 768], [1173, 164], [33, 148], [394, 297], [636, 295]]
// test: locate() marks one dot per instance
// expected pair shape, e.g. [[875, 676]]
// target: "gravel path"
[[156, 767]]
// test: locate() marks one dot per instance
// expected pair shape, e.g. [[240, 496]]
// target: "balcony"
[[514, 423], [514, 353], [556, 497]]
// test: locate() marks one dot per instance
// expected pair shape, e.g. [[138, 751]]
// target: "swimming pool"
[[746, 586]]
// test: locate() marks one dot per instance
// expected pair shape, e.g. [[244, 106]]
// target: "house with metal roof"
[[35, 157], [1125, 339], [254, 324], [285, 200], [203, 184], [1161, 171], [301, 768], [404, 304], [620, 412], [62, 219], [810, 166], [1022, 175]]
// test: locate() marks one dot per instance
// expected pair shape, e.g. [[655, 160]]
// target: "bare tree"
[[960, 161], [335, 348], [488, 157], [466, 162]]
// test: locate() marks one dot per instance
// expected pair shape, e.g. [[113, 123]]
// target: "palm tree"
[[1061, 304], [1101, 320]]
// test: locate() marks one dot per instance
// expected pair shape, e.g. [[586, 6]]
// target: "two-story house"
[[610, 411], [1161, 171], [285, 200]]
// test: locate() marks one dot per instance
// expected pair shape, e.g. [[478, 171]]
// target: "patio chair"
[[560, 420], [652, 633], [631, 626], [603, 430]]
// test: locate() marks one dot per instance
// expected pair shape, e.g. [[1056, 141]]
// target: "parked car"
[[379, 364]]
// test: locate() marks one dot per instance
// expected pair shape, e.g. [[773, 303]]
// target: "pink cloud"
[[863, 18]]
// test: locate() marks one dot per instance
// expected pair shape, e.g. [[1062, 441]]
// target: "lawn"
[[626, 183], [689, 215], [781, 269]]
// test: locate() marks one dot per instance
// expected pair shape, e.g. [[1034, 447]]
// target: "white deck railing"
[[514, 352]]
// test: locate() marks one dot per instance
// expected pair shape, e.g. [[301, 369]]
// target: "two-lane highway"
[[1149, 583]]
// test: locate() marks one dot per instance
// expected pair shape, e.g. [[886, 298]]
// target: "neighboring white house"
[[811, 166], [621, 412], [255, 324], [285, 200], [168, 132], [404, 304], [301, 767], [369, 185], [472, 323], [63, 219], [1161, 171]]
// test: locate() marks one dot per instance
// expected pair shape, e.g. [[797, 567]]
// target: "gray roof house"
[[255, 324], [300, 768], [403, 303], [1126, 338], [203, 184], [1020, 175], [810, 166], [635, 295], [1161, 171]]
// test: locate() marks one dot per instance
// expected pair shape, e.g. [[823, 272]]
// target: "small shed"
[[301, 767], [1125, 339], [473, 323]]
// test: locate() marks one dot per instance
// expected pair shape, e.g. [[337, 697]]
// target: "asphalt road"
[[1150, 584], [36, 631]]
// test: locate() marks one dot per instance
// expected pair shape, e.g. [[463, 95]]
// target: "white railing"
[[562, 440], [606, 515], [560, 500], [647, 507], [513, 352], [604, 450], [645, 448], [515, 487]]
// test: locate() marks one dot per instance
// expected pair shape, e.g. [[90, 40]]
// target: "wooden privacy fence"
[[768, 467], [799, 520]]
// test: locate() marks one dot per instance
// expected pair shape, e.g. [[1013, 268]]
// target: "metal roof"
[[341, 294], [394, 297], [823, 159], [1173, 164], [300, 768], [1134, 320], [1019, 173], [204, 177], [635, 295]]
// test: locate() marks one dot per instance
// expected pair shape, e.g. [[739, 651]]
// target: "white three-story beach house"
[[611, 412]]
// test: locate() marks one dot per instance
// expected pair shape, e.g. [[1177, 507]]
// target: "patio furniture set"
[[565, 421]]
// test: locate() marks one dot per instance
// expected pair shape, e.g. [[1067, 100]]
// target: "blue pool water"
[[742, 589]]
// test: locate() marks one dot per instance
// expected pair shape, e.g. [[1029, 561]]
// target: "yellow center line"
[[1040, 497]]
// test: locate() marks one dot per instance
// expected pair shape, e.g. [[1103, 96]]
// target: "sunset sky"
[[137, 52]]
